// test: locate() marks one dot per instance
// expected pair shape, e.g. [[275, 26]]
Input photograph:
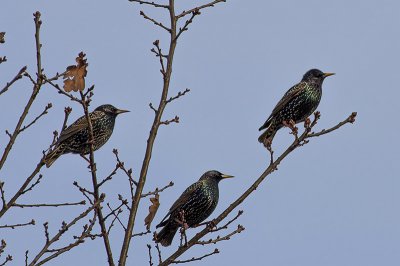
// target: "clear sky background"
[[333, 202]]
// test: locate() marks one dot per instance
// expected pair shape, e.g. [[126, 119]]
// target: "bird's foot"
[[184, 227], [211, 225], [268, 143]]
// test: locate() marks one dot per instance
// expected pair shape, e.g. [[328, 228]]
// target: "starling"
[[195, 204], [298, 103], [75, 138]]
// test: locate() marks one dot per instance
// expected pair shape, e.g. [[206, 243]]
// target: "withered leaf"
[[2, 34], [152, 211], [74, 78]]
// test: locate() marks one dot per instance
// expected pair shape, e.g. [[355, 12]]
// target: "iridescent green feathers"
[[75, 138], [298, 103]]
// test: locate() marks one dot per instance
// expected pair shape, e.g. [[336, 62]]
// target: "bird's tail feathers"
[[166, 235], [52, 156], [266, 124], [266, 137]]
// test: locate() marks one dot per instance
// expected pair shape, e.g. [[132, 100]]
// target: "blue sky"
[[332, 202]]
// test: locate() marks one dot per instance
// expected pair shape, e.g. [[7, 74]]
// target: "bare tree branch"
[[45, 111], [211, 4], [239, 229], [150, 258], [65, 227], [149, 3], [13, 226], [216, 251], [17, 77], [49, 204], [169, 121], [32, 98], [159, 54], [180, 94], [156, 124], [154, 21], [196, 12], [96, 193], [157, 190], [22, 190]]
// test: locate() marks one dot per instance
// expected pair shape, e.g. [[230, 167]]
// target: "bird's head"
[[110, 110], [315, 76], [214, 175]]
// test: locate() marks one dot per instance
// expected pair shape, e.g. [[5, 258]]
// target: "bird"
[[195, 204], [298, 103], [75, 138]]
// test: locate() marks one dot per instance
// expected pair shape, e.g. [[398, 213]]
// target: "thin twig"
[[49, 204], [180, 94], [45, 111], [60, 91], [150, 258], [216, 251], [225, 226], [33, 185], [350, 119], [84, 192], [3, 195], [56, 76], [110, 176], [142, 233], [115, 217], [17, 77], [195, 13], [157, 190], [13, 226], [8, 258], [211, 4], [149, 3], [22, 190], [154, 21], [238, 230], [159, 253], [158, 53], [152, 108], [169, 121], [67, 112]]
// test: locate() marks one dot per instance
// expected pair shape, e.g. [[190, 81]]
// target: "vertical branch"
[[96, 193], [36, 89], [152, 136]]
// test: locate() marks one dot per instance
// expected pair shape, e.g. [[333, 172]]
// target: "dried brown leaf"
[[74, 78], [2, 34], [152, 211]]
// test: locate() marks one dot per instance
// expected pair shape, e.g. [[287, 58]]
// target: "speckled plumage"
[[298, 103], [74, 139], [197, 202]]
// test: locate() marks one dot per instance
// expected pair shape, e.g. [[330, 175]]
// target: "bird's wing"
[[182, 199], [289, 95], [78, 125]]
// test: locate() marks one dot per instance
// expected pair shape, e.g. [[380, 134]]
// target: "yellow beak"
[[119, 111], [328, 74], [226, 176]]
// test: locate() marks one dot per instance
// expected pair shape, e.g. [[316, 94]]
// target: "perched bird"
[[75, 138], [298, 103], [195, 204]]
